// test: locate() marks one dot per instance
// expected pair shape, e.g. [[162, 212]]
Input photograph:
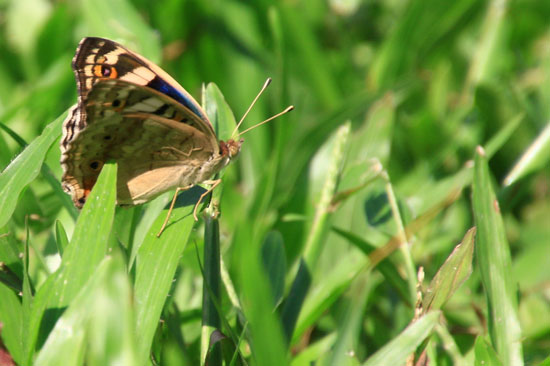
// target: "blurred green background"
[[391, 99]]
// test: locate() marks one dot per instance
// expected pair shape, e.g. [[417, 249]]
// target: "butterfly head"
[[231, 148]]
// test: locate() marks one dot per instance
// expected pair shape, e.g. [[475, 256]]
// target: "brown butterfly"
[[131, 111]]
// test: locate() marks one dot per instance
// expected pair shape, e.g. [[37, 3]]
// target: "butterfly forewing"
[[99, 59]]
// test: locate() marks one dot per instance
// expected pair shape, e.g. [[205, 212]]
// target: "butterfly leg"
[[214, 184], [178, 190]]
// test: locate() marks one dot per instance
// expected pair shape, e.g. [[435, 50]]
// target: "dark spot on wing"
[[161, 110]]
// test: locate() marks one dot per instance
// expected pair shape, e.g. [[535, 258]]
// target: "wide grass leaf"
[[11, 316], [87, 247], [25, 168], [97, 327], [494, 263], [155, 267]]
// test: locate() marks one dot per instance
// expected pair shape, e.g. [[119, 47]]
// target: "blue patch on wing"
[[162, 86]]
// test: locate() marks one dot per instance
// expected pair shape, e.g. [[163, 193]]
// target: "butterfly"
[[131, 111]]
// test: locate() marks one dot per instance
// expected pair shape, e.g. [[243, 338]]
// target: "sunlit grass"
[[414, 122]]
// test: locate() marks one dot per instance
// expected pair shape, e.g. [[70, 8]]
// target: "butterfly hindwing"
[[145, 131]]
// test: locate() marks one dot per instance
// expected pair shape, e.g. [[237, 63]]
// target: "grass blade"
[[536, 156], [397, 351], [97, 327], [452, 274], [493, 260], [11, 317], [25, 168], [156, 263], [211, 292], [86, 249]]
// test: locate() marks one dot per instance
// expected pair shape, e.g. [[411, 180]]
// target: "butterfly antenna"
[[288, 109], [266, 84]]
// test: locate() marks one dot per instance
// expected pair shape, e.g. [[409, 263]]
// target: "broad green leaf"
[[218, 112], [257, 305], [97, 327], [11, 317], [494, 263], [155, 267], [87, 247], [25, 168]]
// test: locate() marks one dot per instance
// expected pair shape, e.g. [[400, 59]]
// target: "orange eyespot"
[[105, 71]]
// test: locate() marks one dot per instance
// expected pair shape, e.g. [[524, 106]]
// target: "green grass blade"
[[498, 140], [295, 299], [319, 225], [25, 168], [452, 274], [11, 270], [485, 355], [155, 266], [88, 246], [11, 317], [324, 294], [386, 267], [314, 351], [273, 255], [61, 239], [535, 157], [494, 263], [266, 336], [397, 351], [350, 324], [218, 112], [211, 291], [97, 327]]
